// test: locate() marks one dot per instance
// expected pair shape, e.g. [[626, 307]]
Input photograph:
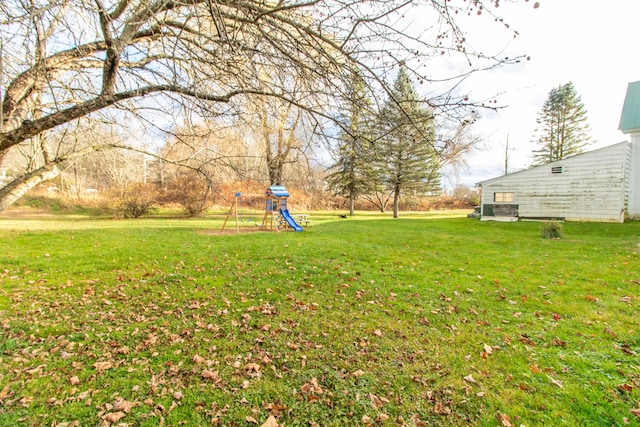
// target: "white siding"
[[633, 186], [591, 187]]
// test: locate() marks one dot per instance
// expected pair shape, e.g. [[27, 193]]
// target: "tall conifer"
[[351, 172], [407, 162], [562, 130]]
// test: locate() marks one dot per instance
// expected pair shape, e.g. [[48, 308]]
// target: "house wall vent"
[[556, 169]]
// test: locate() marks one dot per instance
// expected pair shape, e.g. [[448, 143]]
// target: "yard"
[[424, 320]]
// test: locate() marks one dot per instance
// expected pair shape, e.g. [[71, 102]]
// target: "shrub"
[[189, 190], [138, 200], [551, 230]]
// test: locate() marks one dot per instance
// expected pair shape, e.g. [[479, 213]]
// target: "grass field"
[[424, 320]]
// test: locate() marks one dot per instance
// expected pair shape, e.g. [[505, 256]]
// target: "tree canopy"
[[351, 173], [406, 157], [563, 128]]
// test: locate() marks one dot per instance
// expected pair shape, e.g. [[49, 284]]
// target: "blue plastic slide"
[[287, 217]]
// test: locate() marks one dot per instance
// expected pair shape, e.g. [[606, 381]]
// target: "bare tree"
[[68, 59], [379, 197], [281, 135]]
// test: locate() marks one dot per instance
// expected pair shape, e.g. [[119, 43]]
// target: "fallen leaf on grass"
[[271, 422], [25, 401], [312, 388], [526, 340], [74, 380], [275, 409], [103, 366], [469, 379], [440, 409], [626, 349], [5, 392], [213, 375], [535, 369], [555, 382], [417, 421], [124, 405], [377, 402], [251, 367], [382, 417], [505, 420], [627, 388], [114, 417]]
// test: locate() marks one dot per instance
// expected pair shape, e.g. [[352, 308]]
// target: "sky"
[[590, 43]]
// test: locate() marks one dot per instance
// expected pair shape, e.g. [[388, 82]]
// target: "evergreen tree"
[[562, 130], [351, 177], [406, 160]]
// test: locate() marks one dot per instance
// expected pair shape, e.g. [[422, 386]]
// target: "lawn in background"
[[371, 321]]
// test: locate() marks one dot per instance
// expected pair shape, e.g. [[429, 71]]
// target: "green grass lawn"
[[424, 320]]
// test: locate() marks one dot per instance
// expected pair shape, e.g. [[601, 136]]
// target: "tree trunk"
[[274, 166], [352, 202], [19, 187], [396, 200]]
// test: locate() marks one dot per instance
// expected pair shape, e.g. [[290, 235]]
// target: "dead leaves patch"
[[103, 366], [440, 409], [271, 422], [377, 402], [266, 308], [214, 376], [312, 390], [504, 420], [115, 412]]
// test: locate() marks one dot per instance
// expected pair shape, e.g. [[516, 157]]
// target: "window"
[[503, 197], [556, 169]]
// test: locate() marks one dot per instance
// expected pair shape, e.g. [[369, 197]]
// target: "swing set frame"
[[233, 212]]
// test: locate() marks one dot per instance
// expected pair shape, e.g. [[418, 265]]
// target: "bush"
[[190, 191], [138, 200], [551, 230], [138, 203]]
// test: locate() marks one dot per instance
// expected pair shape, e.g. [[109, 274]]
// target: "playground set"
[[276, 214]]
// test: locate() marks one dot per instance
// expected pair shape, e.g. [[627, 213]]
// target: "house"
[[599, 185]]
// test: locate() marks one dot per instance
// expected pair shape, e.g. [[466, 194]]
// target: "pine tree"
[[351, 172], [563, 129], [407, 162]]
